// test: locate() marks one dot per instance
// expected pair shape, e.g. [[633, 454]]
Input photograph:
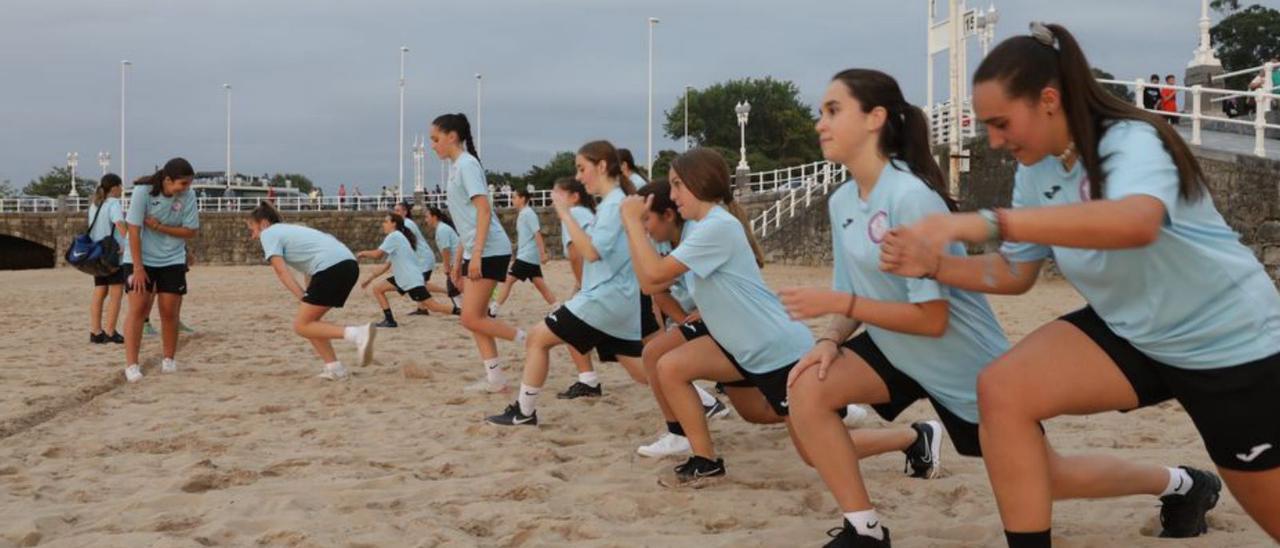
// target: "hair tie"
[[1043, 34]]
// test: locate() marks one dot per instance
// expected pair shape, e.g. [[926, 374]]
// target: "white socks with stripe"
[[1179, 482], [590, 378], [493, 371], [528, 399], [866, 523]]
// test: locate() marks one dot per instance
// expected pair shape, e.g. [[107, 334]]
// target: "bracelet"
[[853, 299]]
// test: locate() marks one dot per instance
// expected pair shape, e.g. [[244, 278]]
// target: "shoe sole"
[[722, 413], [366, 353], [671, 482], [1202, 527], [654, 455]]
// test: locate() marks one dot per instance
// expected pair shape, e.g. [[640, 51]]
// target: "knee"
[[668, 372], [539, 339], [471, 321], [997, 393], [807, 396]]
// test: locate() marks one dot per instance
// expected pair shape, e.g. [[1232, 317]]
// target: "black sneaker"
[[848, 537], [116, 338], [581, 390], [696, 472], [456, 311], [924, 456], [386, 323], [512, 416], [1182, 516], [715, 410], [98, 338], [418, 312]]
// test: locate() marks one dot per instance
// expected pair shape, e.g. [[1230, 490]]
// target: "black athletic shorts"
[[524, 272], [648, 322], [772, 384], [1233, 407], [904, 391], [160, 279], [418, 294], [491, 268], [110, 279], [331, 286], [583, 337]]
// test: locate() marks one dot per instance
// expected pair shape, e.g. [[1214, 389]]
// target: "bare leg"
[[95, 309], [170, 314], [139, 309], [542, 287], [505, 290], [1259, 494], [308, 324], [475, 298], [114, 294], [699, 359]]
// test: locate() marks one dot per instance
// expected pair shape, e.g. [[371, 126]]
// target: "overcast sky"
[[315, 80]]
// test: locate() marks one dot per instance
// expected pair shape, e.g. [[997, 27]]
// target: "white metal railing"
[[799, 197], [1197, 115], [291, 203], [783, 179]]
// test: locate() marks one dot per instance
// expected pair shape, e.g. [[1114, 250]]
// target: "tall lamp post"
[[400, 134], [686, 117], [124, 174], [104, 161], [743, 110], [227, 88], [648, 149], [479, 112], [73, 159]]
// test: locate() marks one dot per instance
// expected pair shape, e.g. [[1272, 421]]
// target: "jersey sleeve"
[[707, 248]]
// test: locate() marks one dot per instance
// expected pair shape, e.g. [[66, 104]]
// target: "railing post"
[[1260, 116], [1195, 114], [1138, 85]]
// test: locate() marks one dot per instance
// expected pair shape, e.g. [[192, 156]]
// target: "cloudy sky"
[[315, 80]]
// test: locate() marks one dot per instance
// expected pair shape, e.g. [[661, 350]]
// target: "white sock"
[[590, 378], [333, 366], [707, 399], [866, 523], [1179, 482], [521, 336], [493, 371], [528, 399], [351, 334]]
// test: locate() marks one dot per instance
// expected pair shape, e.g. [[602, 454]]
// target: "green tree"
[[1225, 6], [7, 190], [57, 182], [779, 131], [1118, 90], [1247, 38], [297, 180], [662, 163], [544, 176]]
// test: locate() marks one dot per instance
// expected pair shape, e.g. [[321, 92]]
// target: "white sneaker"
[[493, 310], [483, 385], [667, 445], [856, 414], [336, 373], [133, 373], [364, 343], [168, 366]]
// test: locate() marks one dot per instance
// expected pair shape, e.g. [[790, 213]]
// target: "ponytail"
[[574, 186], [400, 227], [603, 151], [905, 134], [175, 169], [440, 214], [265, 212], [460, 126], [1051, 57], [705, 173], [108, 183]]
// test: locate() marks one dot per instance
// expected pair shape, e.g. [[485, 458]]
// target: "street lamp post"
[[400, 134], [479, 112], [743, 110], [124, 172], [648, 149], [104, 161], [73, 159], [227, 88], [686, 117]]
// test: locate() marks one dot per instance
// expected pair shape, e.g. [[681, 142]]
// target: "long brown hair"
[[108, 183], [706, 174], [603, 151], [265, 212], [1025, 65], [174, 169], [574, 186], [397, 220], [905, 134], [459, 125]]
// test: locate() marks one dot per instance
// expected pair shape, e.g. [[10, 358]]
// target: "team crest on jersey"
[[1084, 189], [878, 226], [176, 206]]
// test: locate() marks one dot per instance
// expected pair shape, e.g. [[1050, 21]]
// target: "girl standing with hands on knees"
[[745, 334], [605, 315], [162, 216], [399, 248], [1177, 307], [483, 244], [922, 340], [331, 272], [106, 218]]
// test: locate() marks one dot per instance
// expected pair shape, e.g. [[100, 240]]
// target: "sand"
[[244, 447]]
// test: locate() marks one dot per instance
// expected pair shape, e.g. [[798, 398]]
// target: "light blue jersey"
[[304, 249], [404, 263], [446, 239], [583, 216], [112, 213], [178, 210], [1196, 298], [527, 225], [637, 180], [740, 311], [466, 181], [947, 366], [610, 295], [679, 289], [426, 259]]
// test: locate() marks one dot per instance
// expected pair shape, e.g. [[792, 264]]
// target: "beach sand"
[[244, 447]]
